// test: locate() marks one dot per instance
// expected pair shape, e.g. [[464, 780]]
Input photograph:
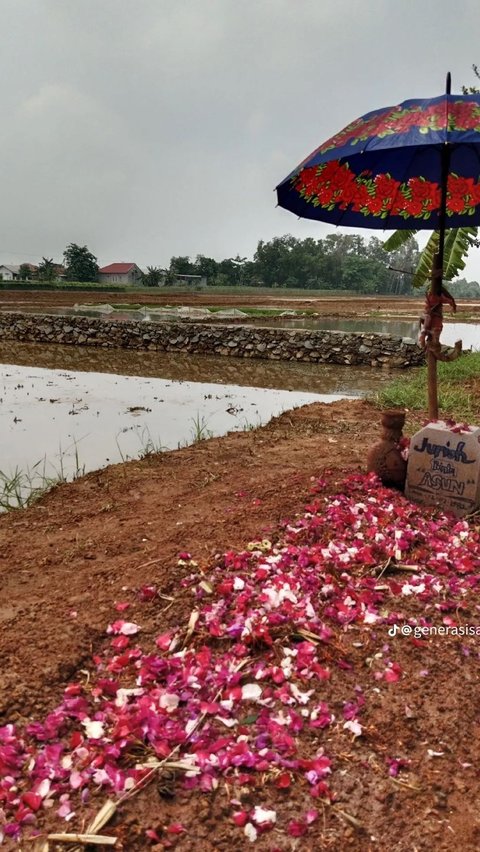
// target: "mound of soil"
[[66, 560]]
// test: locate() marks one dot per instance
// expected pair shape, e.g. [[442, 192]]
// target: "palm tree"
[[47, 270], [458, 241]]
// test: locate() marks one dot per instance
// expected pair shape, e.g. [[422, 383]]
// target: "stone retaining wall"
[[279, 344]]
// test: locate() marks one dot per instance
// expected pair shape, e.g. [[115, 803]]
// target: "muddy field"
[[324, 305]]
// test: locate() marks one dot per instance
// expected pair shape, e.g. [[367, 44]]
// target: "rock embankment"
[[330, 347]]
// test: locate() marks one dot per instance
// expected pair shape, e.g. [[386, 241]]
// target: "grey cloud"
[[148, 128]]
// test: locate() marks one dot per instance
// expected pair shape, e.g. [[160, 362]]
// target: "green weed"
[[458, 398], [21, 488], [200, 431]]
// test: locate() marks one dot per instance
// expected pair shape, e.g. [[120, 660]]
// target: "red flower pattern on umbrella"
[[461, 115], [334, 184]]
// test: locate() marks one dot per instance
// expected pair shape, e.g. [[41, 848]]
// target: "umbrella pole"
[[433, 347], [432, 386], [437, 274]]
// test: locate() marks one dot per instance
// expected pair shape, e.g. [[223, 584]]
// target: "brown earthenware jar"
[[385, 458]]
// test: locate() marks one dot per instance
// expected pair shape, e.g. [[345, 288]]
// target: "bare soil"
[[92, 542], [334, 306]]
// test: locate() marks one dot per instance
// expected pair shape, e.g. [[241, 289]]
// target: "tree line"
[[336, 262], [79, 264]]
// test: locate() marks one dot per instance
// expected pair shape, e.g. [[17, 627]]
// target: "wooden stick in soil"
[[84, 839], [432, 385]]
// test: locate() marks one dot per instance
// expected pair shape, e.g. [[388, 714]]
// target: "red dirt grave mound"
[[231, 643]]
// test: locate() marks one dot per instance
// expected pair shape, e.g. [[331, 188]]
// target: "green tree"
[[467, 289], [273, 262], [181, 265], [47, 269], [206, 266], [338, 262], [153, 276], [401, 264], [80, 263], [472, 90], [24, 273], [363, 275]]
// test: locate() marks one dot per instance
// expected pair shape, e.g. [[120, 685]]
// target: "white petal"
[[43, 788], [251, 691], [129, 628], [262, 815], [354, 726], [169, 701], [93, 730], [250, 832]]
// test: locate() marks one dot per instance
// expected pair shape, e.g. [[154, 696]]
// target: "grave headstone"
[[444, 467]]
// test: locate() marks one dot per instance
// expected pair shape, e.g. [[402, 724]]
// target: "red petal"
[[33, 800], [297, 828]]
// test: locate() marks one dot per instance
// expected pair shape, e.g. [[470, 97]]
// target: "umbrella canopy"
[[386, 169], [412, 166]]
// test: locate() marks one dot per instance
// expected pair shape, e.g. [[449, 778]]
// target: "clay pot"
[[385, 458], [394, 418]]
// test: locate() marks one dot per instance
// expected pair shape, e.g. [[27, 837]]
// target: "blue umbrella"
[[387, 169], [411, 166]]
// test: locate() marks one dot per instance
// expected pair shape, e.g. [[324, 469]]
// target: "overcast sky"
[[152, 128]]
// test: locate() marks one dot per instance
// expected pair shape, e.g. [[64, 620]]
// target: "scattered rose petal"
[[94, 730]]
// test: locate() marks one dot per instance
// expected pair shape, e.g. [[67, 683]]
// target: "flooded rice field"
[[180, 366], [66, 410], [469, 333], [77, 421]]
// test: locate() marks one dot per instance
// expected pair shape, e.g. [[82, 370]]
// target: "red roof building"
[[120, 273]]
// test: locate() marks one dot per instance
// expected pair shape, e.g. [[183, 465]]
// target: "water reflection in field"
[[283, 375], [83, 407], [469, 333], [84, 420]]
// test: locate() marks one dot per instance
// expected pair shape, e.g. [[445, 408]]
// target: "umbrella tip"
[[448, 87]]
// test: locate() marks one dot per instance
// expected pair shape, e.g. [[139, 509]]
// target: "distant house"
[[9, 272], [120, 273]]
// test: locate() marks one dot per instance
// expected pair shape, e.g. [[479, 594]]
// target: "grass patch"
[[20, 488], [200, 431], [458, 390], [81, 286]]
